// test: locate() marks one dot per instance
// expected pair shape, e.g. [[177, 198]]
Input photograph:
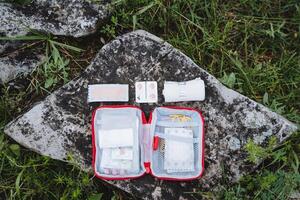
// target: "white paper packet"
[[115, 138]]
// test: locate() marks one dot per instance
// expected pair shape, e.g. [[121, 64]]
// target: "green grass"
[[251, 46]]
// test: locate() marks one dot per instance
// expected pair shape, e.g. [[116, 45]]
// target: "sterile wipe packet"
[[108, 162], [122, 153]]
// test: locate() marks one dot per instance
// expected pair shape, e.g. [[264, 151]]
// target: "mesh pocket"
[[158, 162]]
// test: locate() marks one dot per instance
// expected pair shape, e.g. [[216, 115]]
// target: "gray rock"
[[8, 45], [16, 61], [60, 125], [59, 17]]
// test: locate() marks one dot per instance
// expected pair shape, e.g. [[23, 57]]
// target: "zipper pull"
[[155, 143], [147, 167]]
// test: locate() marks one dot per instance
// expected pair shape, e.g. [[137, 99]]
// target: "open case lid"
[[118, 117], [146, 134]]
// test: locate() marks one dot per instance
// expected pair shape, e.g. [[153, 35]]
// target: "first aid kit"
[[169, 145]]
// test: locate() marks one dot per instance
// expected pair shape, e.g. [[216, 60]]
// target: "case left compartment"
[[118, 142]]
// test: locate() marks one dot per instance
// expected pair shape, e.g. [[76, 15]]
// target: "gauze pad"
[[193, 90]]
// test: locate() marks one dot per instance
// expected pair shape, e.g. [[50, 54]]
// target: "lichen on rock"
[[59, 17], [17, 62]]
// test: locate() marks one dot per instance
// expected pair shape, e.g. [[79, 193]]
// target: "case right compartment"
[[177, 151]]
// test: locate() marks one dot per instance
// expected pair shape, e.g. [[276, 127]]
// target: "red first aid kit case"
[[169, 145]]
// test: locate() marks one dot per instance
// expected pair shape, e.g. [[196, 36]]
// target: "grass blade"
[[24, 38], [66, 46], [18, 181]]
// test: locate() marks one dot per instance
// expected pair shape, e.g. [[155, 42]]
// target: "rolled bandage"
[[193, 90]]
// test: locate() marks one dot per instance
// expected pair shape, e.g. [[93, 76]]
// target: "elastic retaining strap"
[[177, 138], [177, 124]]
